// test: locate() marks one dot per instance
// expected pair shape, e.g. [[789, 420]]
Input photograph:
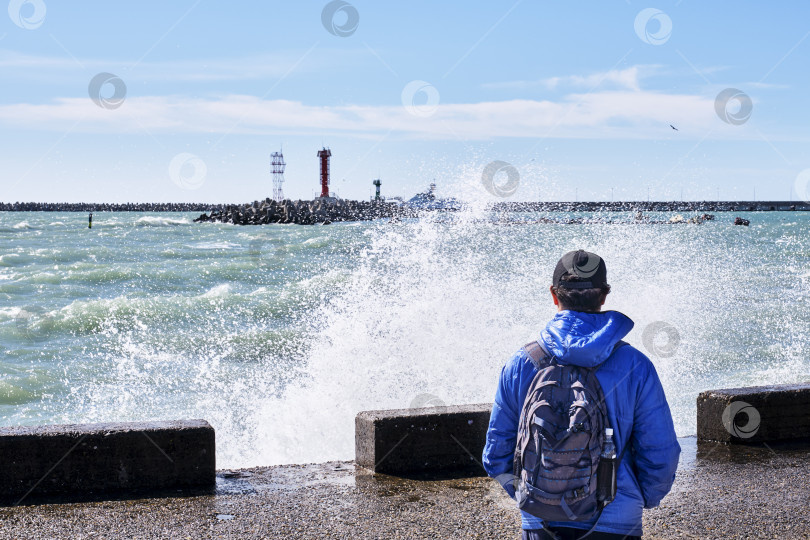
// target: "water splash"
[[280, 348]]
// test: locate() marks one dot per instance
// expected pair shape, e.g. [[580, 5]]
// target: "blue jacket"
[[636, 405]]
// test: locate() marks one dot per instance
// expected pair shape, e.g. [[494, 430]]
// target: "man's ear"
[[554, 296]]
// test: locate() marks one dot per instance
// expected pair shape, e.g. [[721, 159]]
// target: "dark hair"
[[587, 300]]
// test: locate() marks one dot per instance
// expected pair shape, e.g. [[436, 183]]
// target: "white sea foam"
[[319, 241], [213, 245], [260, 291], [218, 291], [9, 313], [158, 221]]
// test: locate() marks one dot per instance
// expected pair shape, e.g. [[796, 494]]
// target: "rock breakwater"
[[323, 211], [652, 206], [371, 210], [108, 207]]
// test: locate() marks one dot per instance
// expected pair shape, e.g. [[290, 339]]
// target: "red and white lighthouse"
[[324, 155]]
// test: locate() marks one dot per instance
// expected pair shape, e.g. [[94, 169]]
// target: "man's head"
[[580, 282]]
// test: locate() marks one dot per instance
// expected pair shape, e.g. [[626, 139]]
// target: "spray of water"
[[437, 307], [279, 336]]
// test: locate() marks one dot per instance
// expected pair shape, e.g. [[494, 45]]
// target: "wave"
[[153, 313], [213, 245], [318, 242], [45, 277], [15, 259], [18, 228], [276, 334], [12, 394], [219, 291], [9, 313], [156, 221]]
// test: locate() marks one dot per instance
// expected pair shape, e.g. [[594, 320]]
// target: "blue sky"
[[578, 97]]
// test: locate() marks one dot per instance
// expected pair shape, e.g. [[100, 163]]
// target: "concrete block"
[[433, 441], [77, 460], [755, 414]]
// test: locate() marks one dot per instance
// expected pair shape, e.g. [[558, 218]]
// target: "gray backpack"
[[559, 441]]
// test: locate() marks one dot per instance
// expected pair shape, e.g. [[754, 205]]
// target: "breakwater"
[[653, 206], [108, 207], [528, 206], [322, 211]]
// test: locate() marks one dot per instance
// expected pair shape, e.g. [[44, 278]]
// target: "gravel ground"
[[720, 492]]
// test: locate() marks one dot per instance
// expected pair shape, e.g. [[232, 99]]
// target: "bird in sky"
[[673, 127]]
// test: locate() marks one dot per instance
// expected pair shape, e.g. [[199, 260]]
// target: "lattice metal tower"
[[278, 175]]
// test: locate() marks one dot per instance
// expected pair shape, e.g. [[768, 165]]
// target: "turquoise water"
[[278, 335]]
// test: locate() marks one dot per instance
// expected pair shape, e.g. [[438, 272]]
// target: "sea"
[[278, 335]]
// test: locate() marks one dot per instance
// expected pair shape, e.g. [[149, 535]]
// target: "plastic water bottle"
[[606, 472]]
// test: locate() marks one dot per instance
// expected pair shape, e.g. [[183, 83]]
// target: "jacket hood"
[[584, 339]]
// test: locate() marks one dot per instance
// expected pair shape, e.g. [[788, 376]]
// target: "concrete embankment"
[[89, 460], [438, 441], [721, 491], [756, 414]]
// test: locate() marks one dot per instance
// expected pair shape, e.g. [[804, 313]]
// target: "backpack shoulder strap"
[[537, 353]]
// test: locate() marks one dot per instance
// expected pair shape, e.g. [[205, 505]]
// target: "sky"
[[184, 101]]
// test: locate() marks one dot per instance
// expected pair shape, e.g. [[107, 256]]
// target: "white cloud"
[[265, 66], [621, 78], [11, 60], [609, 115], [617, 78], [766, 86]]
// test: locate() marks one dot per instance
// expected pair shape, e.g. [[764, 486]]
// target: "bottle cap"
[[609, 432]]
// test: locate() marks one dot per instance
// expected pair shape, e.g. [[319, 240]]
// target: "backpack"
[[559, 441]]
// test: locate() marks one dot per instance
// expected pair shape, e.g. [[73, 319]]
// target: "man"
[[583, 335]]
